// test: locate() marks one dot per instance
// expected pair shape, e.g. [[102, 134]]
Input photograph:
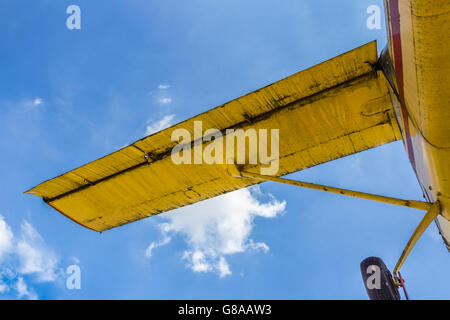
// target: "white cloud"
[[3, 287], [24, 256], [223, 267], [197, 261], [153, 245], [22, 290], [219, 227], [34, 257], [6, 239], [37, 101], [258, 246], [32, 103], [165, 100], [163, 86], [165, 122]]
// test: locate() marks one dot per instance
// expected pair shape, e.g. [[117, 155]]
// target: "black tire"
[[378, 286]]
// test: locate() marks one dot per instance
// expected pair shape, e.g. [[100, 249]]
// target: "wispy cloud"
[[23, 291], [29, 104], [153, 245], [34, 257], [37, 101], [165, 100], [6, 239], [156, 126], [162, 95], [219, 227], [32, 103], [25, 256], [223, 267]]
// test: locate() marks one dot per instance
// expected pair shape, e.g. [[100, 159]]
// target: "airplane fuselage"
[[418, 47]]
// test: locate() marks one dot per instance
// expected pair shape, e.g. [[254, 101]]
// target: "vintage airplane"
[[353, 102]]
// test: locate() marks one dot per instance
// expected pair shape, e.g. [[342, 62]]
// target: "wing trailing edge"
[[331, 110]]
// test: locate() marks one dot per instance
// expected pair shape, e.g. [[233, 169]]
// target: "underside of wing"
[[331, 110]]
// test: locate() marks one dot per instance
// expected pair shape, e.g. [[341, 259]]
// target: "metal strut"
[[421, 205], [431, 214], [433, 209]]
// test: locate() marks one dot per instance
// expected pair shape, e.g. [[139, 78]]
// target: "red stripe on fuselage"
[[397, 44]]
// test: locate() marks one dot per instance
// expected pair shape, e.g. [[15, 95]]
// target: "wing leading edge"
[[334, 109]]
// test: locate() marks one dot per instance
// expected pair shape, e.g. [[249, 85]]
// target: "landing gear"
[[378, 280]]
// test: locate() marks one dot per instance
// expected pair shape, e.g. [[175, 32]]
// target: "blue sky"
[[70, 96]]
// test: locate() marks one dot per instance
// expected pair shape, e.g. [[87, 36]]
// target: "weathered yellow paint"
[[425, 42], [331, 110]]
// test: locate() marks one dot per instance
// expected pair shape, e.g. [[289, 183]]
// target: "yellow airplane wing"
[[332, 110]]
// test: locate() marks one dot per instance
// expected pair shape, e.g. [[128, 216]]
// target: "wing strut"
[[421, 205], [431, 214], [433, 209]]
